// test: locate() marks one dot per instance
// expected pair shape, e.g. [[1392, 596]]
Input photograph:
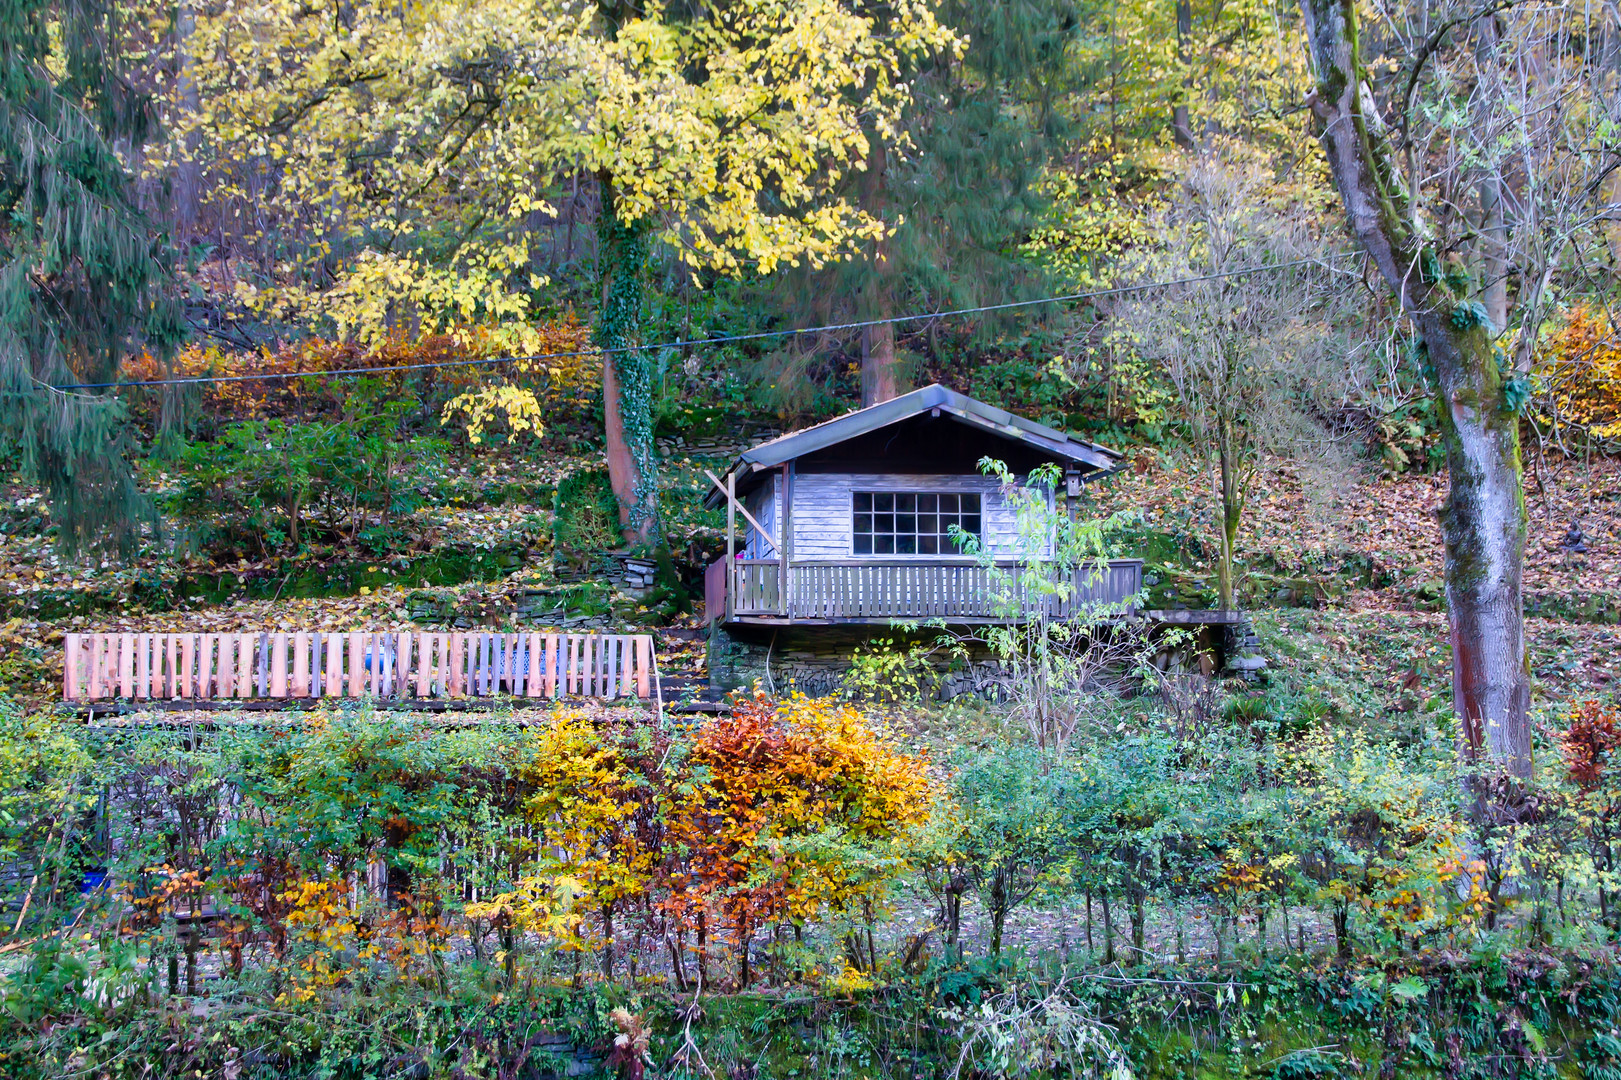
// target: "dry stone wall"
[[814, 660]]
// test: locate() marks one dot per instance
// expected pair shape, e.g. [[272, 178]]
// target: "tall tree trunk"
[[1181, 125], [1483, 522], [1483, 530], [880, 377], [188, 173], [626, 377], [1232, 511], [1493, 227]]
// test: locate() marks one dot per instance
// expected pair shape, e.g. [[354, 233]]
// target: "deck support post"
[[783, 543], [731, 527]]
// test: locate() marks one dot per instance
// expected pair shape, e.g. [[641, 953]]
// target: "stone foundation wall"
[[814, 660]]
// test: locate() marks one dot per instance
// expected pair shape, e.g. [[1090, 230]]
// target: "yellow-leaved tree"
[[410, 143]]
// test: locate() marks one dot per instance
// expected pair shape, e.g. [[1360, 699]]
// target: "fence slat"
[[456, 671], [441, 670], [70, 667], [109, 665], [332, 678], [224, 665], [183, 682], [126, 666], [207, 684], [143, 666], [536, 682], [278, 666], [151, 650], [171, 662], [249, 683], [93, 666], [300, 685], [163, 655], [357, 663]]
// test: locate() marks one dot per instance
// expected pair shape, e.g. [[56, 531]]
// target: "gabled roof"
[[937, 400]]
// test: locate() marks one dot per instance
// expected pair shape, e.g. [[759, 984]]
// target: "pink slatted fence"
[[335, 664]]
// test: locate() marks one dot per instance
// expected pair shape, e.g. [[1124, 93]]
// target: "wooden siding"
[[821, 511], [390, 665], [762, 503]]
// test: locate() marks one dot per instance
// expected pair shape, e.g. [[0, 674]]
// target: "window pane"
[[912, 522]]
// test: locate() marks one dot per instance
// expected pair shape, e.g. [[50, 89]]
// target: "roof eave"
[[989, 418]]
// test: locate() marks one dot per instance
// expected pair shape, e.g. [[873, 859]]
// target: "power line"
[[721, 340]]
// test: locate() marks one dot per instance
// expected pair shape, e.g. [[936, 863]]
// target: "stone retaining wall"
[[815, 659]]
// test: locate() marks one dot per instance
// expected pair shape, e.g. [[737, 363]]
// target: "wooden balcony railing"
[[860, 590]]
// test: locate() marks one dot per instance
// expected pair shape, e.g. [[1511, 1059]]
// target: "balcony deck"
[[881, 591]]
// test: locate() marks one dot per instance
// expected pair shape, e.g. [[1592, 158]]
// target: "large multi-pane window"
[[912, 523]]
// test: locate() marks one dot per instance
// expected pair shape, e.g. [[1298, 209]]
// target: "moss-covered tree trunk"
[[627, 382], [1483, 529], [1483, 522]]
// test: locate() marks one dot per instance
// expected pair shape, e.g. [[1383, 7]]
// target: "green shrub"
[[585, 517], [269, 485]]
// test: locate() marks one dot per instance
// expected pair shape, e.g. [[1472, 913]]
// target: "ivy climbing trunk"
[[1483, 521], [627, 381]]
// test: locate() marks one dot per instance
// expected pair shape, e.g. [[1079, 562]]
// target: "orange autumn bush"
[[561, 383], [796, 807], [1590, 741]]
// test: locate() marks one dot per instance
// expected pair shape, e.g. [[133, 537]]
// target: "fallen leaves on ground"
[[1307, 524]]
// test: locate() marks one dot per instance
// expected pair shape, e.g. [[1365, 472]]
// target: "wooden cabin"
[[850, 522]]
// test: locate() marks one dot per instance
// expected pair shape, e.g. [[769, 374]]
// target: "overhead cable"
[[723, 339]]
